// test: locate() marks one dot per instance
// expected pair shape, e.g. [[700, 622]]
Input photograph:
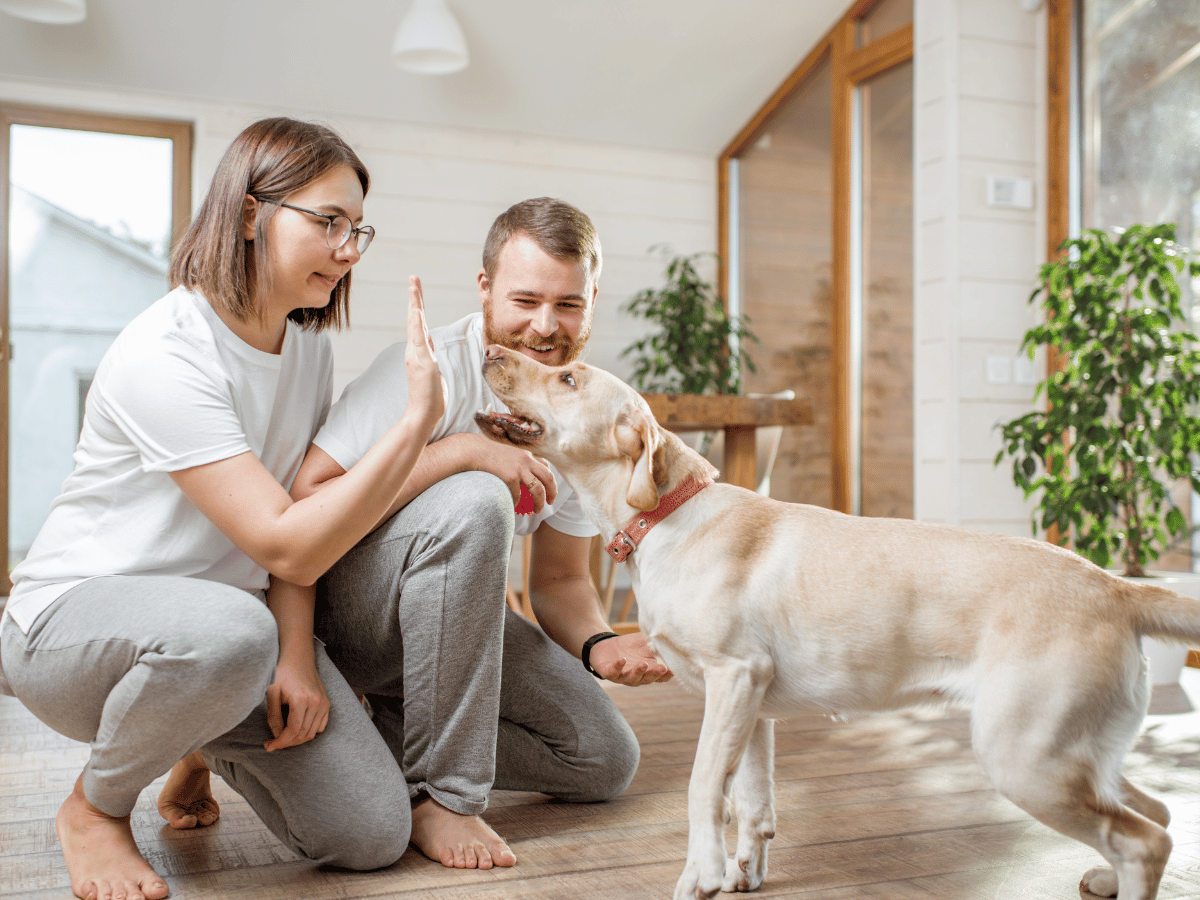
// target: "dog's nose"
[[495, 352]]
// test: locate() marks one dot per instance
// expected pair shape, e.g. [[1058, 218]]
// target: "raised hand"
[[426, 386]]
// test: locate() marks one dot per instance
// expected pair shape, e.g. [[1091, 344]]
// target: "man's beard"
[[556, 341]]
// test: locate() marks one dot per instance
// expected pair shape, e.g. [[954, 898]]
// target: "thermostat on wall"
[[1012, 193]]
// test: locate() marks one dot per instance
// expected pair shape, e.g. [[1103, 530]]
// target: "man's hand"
[[516, 467], [300, 689], [628, 660]]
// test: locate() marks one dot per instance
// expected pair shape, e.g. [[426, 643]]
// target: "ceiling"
[[670, 74]]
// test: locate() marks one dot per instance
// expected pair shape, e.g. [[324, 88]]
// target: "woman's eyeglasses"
[[338, 230]]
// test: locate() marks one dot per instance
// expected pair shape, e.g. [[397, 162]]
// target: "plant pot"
[[1167, 658]]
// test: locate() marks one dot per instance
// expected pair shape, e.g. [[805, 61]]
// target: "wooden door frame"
[[1060, 26], [849, 68], [179, 132]]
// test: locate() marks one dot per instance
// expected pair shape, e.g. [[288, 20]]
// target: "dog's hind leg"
[[1102, 880], [1136, 847], [1043, 764], [733, 692], [754, 805]]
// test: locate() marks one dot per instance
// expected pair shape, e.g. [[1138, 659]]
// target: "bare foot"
[[186, 800], [457, 841], [102, 858]]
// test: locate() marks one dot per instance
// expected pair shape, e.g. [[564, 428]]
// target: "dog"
[[772, 609]]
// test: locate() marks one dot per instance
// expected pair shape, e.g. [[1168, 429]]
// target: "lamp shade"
[[47, 12], [429, 41]]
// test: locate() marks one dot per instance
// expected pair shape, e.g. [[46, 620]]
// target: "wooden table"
[[737, 416]]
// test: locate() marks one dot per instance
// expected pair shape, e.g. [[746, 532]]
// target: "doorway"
[[816, 247]]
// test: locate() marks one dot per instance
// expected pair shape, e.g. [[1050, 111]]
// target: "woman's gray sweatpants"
[[467, 694], [149, 669]]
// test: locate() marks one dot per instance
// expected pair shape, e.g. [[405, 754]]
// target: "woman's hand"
[[426, 386], [299, 688]]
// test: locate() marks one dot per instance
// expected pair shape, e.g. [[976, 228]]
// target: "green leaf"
[[1120, 427], [692, 347]]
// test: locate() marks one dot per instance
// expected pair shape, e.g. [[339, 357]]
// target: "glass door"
[[881, 295]]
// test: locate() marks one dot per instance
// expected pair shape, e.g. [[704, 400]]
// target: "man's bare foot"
[[186, 800], [102, 858], [457, 841]]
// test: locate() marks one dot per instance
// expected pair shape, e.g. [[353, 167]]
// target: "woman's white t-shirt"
[[176, 389]]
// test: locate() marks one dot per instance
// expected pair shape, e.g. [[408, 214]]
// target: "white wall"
[[980, 107], [980, 110], [435, 192]]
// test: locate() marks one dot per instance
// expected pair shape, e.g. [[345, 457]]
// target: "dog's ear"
[[637, 438]]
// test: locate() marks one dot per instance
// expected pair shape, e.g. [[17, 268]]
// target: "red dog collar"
[[627, 539]]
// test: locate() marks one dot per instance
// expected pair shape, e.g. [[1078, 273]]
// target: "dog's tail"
[[1162, 613]]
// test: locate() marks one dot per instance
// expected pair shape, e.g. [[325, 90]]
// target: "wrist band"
[[591, 642]]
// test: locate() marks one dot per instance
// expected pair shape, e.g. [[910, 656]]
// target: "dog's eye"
[[568, 379]]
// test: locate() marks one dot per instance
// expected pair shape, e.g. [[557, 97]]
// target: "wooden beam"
[[842, 105], [881, 55], [1058, 125], [1059, 23]]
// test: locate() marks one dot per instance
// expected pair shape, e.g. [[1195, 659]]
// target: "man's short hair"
[[557, 227]]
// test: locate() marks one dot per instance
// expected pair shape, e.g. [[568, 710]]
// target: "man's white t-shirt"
[[374, 401], [176, 389]]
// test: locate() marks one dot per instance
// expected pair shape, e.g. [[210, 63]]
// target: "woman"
[[137, 622]]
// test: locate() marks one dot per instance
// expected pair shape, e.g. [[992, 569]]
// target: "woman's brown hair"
[[270, 159]]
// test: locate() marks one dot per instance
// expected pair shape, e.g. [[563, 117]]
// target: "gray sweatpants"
[[150, 669], [467, 694]]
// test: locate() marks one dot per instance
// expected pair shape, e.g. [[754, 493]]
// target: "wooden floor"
[[885, 807]]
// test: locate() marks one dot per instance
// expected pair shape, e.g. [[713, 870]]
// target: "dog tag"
[[525, 504]]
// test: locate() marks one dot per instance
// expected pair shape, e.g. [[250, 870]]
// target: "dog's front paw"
[[1101, 881], [745, 873], [691, 886]]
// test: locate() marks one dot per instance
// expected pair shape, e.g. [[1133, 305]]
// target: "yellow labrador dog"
[[777, 608]]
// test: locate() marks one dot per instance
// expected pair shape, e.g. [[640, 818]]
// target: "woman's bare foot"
[[102, 858], [457, 841], [186, 800]]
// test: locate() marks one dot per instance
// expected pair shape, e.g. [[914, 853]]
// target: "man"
[[468, 694]]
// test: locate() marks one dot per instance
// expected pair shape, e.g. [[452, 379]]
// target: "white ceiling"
[[670, 74]]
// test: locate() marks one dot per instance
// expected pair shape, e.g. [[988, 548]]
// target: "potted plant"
[[690, 353], [1120, 427]]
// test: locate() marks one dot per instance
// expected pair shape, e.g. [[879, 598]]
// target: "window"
[[92, 205]]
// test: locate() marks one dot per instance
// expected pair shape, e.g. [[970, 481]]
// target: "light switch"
[[1010, 193], [999, 370]]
